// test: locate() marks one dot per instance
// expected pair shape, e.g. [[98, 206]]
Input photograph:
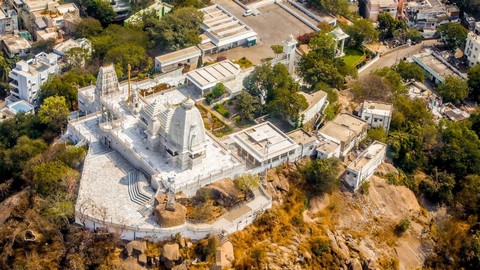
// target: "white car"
[[247, 12]]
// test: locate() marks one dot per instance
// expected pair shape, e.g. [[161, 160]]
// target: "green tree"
[[469, 195], [126, 54], [410, 71], [247, 183], [362, 31], [47, 177], [402, 226], [377, 134], [322, 174], [439, 187], [54, 113], [414, 35], [77, 57], [175, 30], [453, 89], [277, 49], [453, 35], [474, 81], [247, 105], [25, 149], [387, 25], [100, 10], [337, 7], [219, 90], [88, 27]]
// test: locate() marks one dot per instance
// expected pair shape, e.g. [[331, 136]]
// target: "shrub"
[[222, 110], [402, 226]]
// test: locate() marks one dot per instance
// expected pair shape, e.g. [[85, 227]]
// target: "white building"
[[472, 49], [317, 102], [224, 31], [429, 14], [362, 168], [264, 146], [79, 57], [28, 76], [178, 59], [8, 20], [376, 7], [14, 45], [207, 77], [377, 114], [342, 134]]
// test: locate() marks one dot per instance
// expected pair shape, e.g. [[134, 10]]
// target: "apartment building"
[[28, 76], [376, 7], [8, 21]]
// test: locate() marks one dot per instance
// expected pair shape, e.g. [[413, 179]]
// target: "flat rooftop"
[[301, 136], [221, 24], [257, 139], [434, 64], [15, 43], [179, 55], [327, 146], [208, 76], [384, 3], [368, 157], [378, 108], [344, 127]]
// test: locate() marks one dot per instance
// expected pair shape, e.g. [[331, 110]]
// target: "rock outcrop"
[[171, 255], [167, 218], [223, 192]]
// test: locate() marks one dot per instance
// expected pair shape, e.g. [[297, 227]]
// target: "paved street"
[[390, 59]]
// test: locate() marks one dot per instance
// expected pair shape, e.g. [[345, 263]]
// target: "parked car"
[[247, 12]]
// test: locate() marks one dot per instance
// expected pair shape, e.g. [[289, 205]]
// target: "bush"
[[222, 110], [402, 226]]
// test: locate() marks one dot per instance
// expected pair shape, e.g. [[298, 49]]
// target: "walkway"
[[393, 56]]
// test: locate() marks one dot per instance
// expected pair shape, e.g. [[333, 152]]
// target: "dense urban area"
[[239, 134]]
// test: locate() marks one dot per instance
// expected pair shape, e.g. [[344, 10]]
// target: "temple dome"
[[186, 132]]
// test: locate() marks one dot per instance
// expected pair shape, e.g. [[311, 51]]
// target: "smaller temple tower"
[[289, 50], [107, 81]]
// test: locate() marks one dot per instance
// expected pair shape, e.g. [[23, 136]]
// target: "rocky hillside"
[[340, 230]]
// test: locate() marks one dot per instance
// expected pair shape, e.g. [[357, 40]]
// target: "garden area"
[[353, 56], [213, 123]]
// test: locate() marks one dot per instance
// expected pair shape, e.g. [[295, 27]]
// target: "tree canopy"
[[410, 71], [453, 34], [474, 81], [454, 89], [276, 89], [322, 174], [361, 31], [54, 112], [337, 7], [247, 106], [88, 27], [100, 10]]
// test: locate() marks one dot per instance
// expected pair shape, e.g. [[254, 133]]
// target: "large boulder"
[[166, 218], [223, 192], [171, 255], [226, 256], [137, 247], [278, 180]]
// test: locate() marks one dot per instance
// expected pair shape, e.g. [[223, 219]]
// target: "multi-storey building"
[[28, 76], [8, 20]]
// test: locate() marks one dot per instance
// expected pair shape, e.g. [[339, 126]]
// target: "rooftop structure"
[[345, 130], [207, 77], [317, 102], [5, 114], [21, 106], [307, 141], [362, 168], [188, 56], [376, 7], [158, 7], [264, 146], [224, 30], [14, 45], [453, 113], [377, 114], [429, 14], [435, 67], [63, 47], [8, 20], [28, 76]]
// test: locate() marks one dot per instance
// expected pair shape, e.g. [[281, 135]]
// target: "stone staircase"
[[134, 192]]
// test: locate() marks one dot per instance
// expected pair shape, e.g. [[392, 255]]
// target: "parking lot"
[[273, 25]]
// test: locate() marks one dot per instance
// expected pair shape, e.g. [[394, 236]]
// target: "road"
[[390, 59]]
